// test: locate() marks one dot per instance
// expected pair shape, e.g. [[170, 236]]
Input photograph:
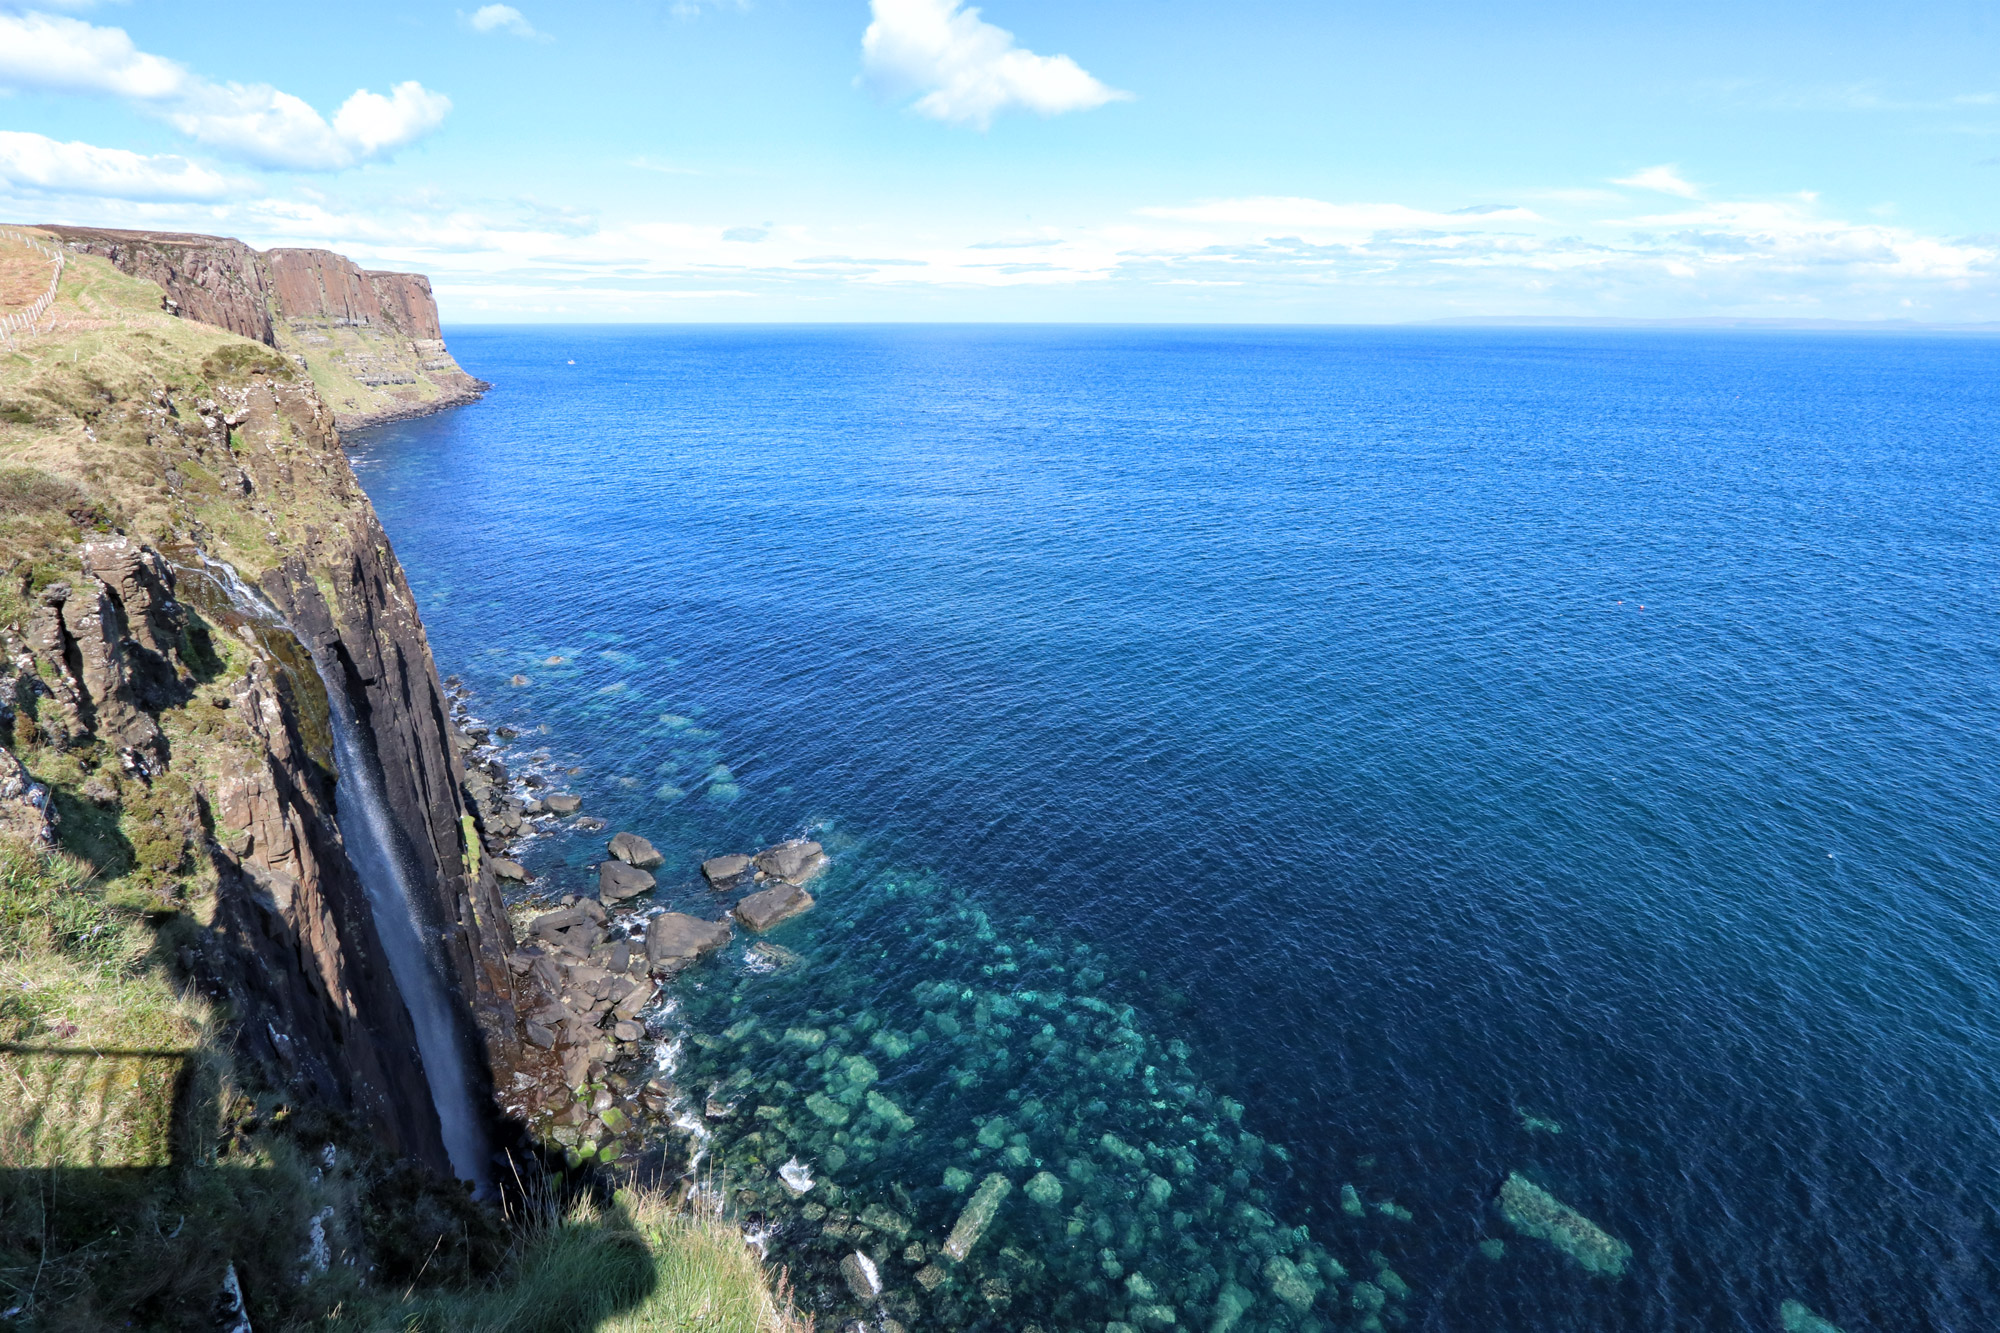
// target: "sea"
[[1456, 829]]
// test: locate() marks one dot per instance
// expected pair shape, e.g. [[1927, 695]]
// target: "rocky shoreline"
[[448, 399], [602, 961]]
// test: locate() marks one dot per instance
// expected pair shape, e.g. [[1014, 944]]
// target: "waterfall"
[[375, 851]]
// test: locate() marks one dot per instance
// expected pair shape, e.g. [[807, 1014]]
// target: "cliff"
[[257, 985], [369, 341], [175, 722]]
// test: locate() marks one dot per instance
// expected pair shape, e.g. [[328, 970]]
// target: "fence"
[[27, 319]]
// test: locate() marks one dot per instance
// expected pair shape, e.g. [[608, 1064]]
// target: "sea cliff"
[[234, 816], [370, 341]]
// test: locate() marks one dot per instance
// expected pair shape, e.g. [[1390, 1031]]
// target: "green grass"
[[639, 1264]]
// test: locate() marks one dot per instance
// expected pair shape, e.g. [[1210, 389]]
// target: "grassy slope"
[[135, 1162], [330, 354]]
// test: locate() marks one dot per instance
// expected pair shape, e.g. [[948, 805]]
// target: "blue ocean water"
[[1560, 753]]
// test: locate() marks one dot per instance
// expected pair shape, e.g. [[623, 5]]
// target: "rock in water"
[[504, 869], [635, 851], [862, 1278], [978, 1215], [723, 871], [797, 1176], [617, 881], [1045, 1190], [795, 862], [767, 907], [1533, 1211], [675, 937], [562, 803], [1796, 1318]]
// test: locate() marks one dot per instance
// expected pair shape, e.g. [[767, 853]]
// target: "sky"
[[1266, 161]]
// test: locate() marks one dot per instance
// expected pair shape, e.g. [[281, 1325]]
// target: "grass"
[[134, 1171], [637, 1264]]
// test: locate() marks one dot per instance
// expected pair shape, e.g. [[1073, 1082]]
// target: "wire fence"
[[28, 318]]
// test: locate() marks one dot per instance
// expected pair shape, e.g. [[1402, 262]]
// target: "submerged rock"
[[673, 937], [978, 1215], [1533, 1211], [1496, 1250], [1796, 1318], [1350, 1202], [1294, 1286], [886, 1221], [562, 803], [766, 908], [1044, 1189], [827, 1109], [723, 871], [635, 851], [617, 881]]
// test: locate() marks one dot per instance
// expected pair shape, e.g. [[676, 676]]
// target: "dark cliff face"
[[185, 726], [379, 641]]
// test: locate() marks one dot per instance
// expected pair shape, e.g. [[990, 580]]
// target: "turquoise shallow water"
[[1431, 737]]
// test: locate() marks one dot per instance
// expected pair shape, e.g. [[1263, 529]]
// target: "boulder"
[[677, 937], [549, 923], [978, 1215], [796, 861], [723, 871], [767, 907], [863, 1279], [617, 881], [505, 869], [562, 803], [635, 851], [1533, 1211]]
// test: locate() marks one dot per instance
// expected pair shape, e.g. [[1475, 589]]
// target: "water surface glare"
[[1555, 753]]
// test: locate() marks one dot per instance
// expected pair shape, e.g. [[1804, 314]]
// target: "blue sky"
[[1267, 160]]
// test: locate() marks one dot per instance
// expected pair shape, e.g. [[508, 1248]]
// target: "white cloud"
[[968, 70], [44, 51], [1662, 179], [1259, 258], [1316, 216], [504, 18], [254, 122], [36, 162]]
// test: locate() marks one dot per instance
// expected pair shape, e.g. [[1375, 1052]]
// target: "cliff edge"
[[369, 340], [196, 597]]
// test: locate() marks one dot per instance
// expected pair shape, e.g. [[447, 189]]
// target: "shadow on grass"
[[317, 1235]]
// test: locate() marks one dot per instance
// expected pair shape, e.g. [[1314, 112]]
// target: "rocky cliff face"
[[370, 340], [183, 537], [210, 278]]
